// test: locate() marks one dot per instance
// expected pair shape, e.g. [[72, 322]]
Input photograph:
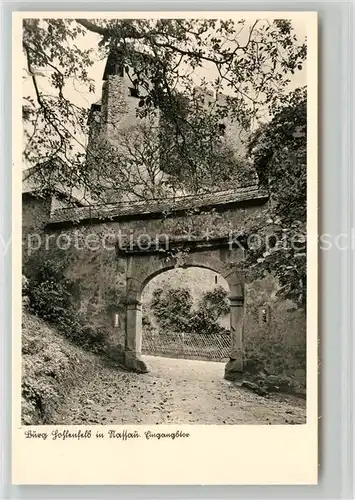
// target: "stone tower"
[[123, 147], [117, 108], [121, 143]]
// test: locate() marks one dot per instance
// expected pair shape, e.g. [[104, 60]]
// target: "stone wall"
[[270, 315], [235, 136], [35, 215], [101, 274], [120, 108], [274, 330]]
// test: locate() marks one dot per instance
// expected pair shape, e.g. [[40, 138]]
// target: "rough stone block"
[[234, 370], [133, 362]]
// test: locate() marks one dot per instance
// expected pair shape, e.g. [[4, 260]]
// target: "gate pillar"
[[234, 367], [133, 337]]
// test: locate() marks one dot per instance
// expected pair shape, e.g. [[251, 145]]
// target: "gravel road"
[[175, 391]]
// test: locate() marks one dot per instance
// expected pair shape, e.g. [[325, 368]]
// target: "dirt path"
[[175, 391]]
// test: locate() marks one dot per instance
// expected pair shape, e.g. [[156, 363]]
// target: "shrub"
[[51, 301], [88, 337], [215, 303], [147, 325], [172, 307], [146, 319], [200, 322], [24, 285], [274, 356], [49, 294], [50, 297]]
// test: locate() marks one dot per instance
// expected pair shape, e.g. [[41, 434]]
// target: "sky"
[[79, 94]]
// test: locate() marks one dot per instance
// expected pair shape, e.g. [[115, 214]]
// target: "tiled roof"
[[143, 208]]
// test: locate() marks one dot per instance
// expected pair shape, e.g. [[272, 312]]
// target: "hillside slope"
[[51, 368]]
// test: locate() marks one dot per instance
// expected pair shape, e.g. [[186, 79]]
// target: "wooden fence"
[[214, 347]]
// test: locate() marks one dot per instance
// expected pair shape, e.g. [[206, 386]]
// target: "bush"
[[147, 325], [274, 357], [24, 285], [215, 303], [173, 309], [88, 337], [200, 322], [49, 294], [51, 301], [50, 297]]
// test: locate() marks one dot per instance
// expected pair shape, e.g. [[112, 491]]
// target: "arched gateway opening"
[[186, 315], [142, 273]]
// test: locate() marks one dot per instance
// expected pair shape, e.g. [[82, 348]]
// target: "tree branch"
[[93, 27]]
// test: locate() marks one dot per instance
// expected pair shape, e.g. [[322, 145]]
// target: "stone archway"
[[140, 275]]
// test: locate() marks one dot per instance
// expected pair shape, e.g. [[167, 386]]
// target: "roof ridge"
[[177, 198], [159, 206]]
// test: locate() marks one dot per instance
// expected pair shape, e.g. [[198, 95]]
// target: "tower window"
[[119, 69], [133, 92], [222, 128]]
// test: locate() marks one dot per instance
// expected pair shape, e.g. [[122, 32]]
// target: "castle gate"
[[113, 251]]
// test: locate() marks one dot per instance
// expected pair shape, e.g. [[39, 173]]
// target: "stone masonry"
[[112, 251], [111, 257]]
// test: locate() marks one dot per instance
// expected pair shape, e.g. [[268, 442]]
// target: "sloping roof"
[[30, 186], [150, 207]]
